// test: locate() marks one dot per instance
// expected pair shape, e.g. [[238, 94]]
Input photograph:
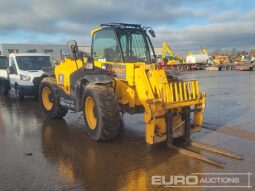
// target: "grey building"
[[53, 50], [50, 49]]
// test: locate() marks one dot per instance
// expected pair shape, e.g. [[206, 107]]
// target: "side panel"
[[125, 81], [64, 71], [121, 70]]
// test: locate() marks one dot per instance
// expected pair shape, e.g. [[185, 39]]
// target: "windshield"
[[105, 46], [33, 62], [3, 62], [134, 45]]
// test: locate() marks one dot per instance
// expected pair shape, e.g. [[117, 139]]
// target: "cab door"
[[107, 54]]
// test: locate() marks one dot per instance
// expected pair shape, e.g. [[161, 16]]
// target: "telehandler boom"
[[121, 76]]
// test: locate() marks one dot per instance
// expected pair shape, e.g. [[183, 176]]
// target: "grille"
[[180, 91]]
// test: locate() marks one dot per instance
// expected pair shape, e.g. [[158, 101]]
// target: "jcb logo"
[[119, 70]]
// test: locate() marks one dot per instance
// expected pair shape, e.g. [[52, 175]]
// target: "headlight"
[[25, 78]]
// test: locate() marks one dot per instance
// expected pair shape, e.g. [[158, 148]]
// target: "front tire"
[[101, 112], [50, 102]]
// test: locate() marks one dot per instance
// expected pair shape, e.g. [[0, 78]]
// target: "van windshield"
[[33, 62], [3, 62]]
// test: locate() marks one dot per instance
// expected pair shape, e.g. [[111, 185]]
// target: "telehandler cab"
[[121, 76]]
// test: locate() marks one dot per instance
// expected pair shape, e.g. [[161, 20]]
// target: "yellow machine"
[[168, 54], [121, 76], [189, 53], [217, 60], [204, 51]]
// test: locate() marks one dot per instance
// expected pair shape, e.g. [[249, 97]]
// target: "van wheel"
[[18, 93]]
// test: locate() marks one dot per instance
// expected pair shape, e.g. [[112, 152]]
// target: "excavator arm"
[[166, 51]]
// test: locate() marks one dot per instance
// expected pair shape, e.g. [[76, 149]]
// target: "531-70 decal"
[[118, 70]]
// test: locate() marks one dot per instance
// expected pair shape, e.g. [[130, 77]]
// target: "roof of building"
[[28, 44], [29, 54]]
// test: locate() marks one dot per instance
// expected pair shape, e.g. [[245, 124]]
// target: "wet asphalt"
[[40, 154]]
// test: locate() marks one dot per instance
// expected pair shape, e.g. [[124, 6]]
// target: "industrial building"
[[53, 50], [50, 49]]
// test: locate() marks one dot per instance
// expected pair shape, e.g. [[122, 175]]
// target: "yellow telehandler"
[[121, 76]]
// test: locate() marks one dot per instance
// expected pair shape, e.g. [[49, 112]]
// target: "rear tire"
[[50, 101], [101, 112]]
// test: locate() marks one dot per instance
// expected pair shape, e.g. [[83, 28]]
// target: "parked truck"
[[23, 73], [3, 74], [198, 61]]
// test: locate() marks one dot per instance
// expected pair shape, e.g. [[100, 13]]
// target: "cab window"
[[105, 47], [134, 47]]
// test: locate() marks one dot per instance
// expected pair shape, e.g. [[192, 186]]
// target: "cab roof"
[[121, 25], [116, 25]]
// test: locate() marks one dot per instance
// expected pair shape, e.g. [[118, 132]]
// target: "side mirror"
[[72, 49], [10, 70], [152, 33]]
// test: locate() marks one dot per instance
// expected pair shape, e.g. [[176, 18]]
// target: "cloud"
[[239, 34], [176, 21], [232, 16], [50, 16], [226, 16]]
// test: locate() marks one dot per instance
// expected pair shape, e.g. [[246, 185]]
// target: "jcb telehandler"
[[121, 76]]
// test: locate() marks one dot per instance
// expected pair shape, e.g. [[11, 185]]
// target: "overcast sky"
[[184, 24]]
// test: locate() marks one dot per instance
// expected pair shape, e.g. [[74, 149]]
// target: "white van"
[[25, 72], [4, 63]]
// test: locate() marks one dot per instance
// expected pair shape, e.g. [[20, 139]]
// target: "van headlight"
[[24, 78]]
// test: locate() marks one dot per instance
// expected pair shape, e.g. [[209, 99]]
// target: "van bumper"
[[29, 90]]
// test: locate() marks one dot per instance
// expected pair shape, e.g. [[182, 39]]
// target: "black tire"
[[186, 117], [56, 112], [18, 93], [5, 87], [106, 110]]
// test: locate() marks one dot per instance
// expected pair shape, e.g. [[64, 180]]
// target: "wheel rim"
[[89, 112], [47, 103]]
